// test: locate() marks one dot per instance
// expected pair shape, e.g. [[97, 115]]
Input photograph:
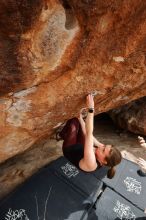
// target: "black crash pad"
[[128, 183], [84, 182], [57, 191], [44, 197], [111, 206], [60, 191]]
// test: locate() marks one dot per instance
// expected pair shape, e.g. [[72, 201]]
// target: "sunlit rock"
[[53, 53]]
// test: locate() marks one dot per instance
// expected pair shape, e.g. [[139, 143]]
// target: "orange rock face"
[[52, 53]]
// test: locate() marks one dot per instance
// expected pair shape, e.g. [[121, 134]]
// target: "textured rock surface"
[[52, 53], [17, 169], [131, 117]]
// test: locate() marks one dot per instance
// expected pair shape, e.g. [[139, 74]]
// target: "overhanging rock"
[[52, 53]]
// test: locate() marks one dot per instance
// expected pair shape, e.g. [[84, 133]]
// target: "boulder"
[[131, 117], [53, 53]]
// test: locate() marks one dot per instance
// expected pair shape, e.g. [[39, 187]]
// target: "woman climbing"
[[82, 149]]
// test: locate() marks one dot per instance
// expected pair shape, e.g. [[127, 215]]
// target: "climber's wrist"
[[91, 110]]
